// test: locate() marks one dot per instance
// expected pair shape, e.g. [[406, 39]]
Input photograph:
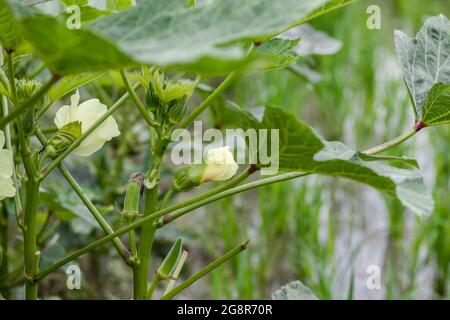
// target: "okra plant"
[[158, 58]]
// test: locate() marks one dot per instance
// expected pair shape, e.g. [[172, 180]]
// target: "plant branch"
[[142, 109], [200, 274], [120, 247], [177, 213], [391, 143]]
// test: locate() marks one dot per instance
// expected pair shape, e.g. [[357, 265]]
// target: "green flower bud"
[[167, 91], [177, 110], [63, 138], [170, 262], [26, 89], [153, 101], [132, 197], [188, 177]]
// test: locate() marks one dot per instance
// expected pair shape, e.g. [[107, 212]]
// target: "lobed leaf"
[[302, 149], [425, 59]]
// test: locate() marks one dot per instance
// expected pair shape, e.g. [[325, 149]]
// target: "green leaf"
[[276, 54], [65, 50], [425, 60], [70, 83], [294, 290], [165, 33], [436, 109], [302, 149], [89, 12], [313, 41], [9, 38]]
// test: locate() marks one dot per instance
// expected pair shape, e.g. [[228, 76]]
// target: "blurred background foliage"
[[325, 232]]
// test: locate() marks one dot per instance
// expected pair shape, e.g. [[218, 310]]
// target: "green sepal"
[[63, 138], [188, 177], [170, 262]]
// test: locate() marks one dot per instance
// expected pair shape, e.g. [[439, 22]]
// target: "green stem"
[[144, 112], [221, 88], [166, 198], [43, 110], [120, 247], [152, 288], [32, 191], [4, 258], [36, 71], [140, 272], [391, 143], [30, 248], [77, 142], [19, 110], [177, 213], [172, 293], [225, 186]]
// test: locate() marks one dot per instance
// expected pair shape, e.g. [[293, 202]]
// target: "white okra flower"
[[218, 165], [7, 189], [88, 113]]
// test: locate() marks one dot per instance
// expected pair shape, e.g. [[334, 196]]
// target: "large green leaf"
[[436, 109], [66, 50], [425, 60], [70, 83], [301, 148], [165, 33], [89, 12], [9, 38]]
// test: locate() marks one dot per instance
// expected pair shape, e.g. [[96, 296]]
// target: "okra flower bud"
[[218, 165], [88, 113], [7, 189], [132, 197], [170, 262]]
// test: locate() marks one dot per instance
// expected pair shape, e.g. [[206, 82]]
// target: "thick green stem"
[[140, 271], [177, 213], [32, 192], [391, 143], [172, 293], [148, 230], [4, 254], [30, 248]]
